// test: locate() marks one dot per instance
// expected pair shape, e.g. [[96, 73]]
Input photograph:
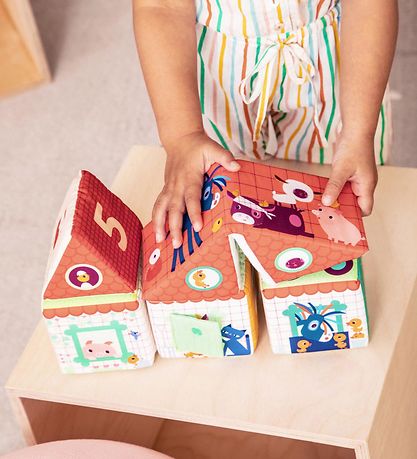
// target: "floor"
[[91, 114]]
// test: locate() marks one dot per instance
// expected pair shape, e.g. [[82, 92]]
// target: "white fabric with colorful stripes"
[[268, 78]]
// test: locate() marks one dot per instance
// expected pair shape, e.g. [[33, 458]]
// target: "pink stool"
[[85, 449]]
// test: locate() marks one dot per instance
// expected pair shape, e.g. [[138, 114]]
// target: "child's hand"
[[188, 158], [354, 161]]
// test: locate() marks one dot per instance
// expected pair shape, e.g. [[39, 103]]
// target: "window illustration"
[[318, 327], [99, 343]]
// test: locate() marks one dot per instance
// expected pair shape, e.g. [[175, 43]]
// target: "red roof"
[[277, 213], [97, 241]]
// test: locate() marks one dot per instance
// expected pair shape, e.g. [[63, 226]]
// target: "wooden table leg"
[[22, 418]]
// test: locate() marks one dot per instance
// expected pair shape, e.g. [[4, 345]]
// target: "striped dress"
[[268, 78]]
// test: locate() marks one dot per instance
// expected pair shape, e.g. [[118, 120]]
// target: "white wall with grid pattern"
[[137, 337], [233, 311]]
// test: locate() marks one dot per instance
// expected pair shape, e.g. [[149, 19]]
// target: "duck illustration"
[[133, 359], [198, 278], [192, 355], [83, 278], [217, 225], [303, 345], [356, 326], [340, 339]]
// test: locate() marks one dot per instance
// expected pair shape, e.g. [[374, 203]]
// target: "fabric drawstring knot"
[[257, 83]]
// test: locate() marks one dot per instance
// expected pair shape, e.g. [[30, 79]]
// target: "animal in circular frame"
[[294, 259], [203, 278], [83, 277]]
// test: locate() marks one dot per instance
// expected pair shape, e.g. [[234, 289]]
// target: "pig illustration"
[[94, 351], [337, 227]]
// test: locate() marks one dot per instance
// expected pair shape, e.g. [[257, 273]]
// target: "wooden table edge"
[[15, 395]]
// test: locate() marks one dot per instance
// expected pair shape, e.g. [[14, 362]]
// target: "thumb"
[[224, 158], [334, 186]]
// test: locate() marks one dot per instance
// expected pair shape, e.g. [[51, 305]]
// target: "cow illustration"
[[274, 217]]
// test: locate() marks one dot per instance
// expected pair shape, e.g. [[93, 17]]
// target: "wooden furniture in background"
[[334, 405], [22, 59]]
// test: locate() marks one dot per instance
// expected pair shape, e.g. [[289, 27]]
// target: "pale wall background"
[[95, 109]]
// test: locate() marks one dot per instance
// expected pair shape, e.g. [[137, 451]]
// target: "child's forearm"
[[166, 42], [368, 37], [369, 31]]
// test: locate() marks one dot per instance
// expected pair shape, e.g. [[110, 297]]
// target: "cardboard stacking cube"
[[95, 318], [273, 217]]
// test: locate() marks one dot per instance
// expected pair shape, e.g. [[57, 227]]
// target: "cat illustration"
[[231, 337]]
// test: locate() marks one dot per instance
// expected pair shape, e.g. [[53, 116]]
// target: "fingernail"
[[326, 200], [176, 243], [198, 227], [235, 165], [159, 238]]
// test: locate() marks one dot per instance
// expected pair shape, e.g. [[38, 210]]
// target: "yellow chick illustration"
[[84, 279], [199, 277], [133, 359], [217, 225], [340, 339], [303, 345], [356, 326], [191, 355], [82, 276]]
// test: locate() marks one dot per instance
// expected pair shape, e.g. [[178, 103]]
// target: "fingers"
[[175, 219], [337, 180], [184, 174], [223, 157], [171, 205], [193, 205], [363, 178], [354, 160], [159, 215], [365, 193], [366, 203]]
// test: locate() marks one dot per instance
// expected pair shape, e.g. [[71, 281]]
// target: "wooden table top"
[[329, 397]]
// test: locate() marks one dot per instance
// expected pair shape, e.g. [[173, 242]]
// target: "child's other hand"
[[188, 158], [353, 162]]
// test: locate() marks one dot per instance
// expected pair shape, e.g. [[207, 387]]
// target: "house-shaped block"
[[91, 302], [272, 217], [227, 326], [317, 312]]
